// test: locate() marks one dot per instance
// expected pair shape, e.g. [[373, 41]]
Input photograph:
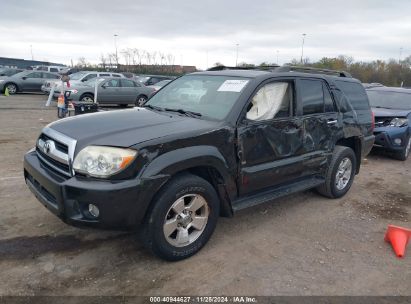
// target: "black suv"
[[206, 145]]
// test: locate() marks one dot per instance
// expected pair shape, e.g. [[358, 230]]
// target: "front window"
[[211, 96], [390, 100]]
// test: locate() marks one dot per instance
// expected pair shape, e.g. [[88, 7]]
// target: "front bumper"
[[122, 204], [385, 138]]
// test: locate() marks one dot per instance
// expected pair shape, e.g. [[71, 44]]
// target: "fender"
[[182, 159]]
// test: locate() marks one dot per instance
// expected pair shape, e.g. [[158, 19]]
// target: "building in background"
[[24, 64]]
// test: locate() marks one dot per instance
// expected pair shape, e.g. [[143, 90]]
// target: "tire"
[[403, 155], [339, 176], [179, 238], [87, 98], [140, 100], [12, 87]]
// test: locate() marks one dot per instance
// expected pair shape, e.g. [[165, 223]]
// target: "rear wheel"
[[11, 87], [87, 98], [140, 100], [403, 155], [182, 218], [340, 173]]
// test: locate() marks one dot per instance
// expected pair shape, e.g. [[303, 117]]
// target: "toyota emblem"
[[47, 146]]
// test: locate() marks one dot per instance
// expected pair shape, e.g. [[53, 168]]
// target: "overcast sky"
[[203, 32]]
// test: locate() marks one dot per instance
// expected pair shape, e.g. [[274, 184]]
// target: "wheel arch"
[[355, 144], [203, 161]]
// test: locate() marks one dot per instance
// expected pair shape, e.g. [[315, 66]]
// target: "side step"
[[269, 195]]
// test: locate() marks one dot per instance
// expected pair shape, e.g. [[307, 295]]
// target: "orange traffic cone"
[[398, 237]]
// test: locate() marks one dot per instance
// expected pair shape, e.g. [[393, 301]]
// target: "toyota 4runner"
[[206, 145]]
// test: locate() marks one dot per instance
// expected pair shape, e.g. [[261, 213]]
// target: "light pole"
[[115, 46], [31, 51], [302, 49], [277, 56], [399, 58], [236, 57]]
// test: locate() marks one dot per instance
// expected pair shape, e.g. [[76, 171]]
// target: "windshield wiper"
[[153, 107], [184, 112], [380, 107]]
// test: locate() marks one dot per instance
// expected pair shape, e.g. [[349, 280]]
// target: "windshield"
[[390, 100], [162, 83], [9, 72], [142, 78], [77, 76], [210, 96]]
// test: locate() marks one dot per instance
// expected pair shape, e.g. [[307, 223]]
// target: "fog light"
[[93, 210], [398, 141]]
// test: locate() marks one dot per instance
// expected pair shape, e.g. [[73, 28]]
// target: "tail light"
[[372, 121]]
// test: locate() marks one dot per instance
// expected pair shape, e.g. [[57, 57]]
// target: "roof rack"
[[303, 69], [285, 68], [257, 68]]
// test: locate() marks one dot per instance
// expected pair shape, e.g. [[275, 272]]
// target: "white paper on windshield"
[[232, 85]]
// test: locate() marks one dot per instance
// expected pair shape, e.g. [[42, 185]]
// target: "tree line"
[[394, 73]]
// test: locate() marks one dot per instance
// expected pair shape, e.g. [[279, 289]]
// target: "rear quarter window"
[[355, 93]]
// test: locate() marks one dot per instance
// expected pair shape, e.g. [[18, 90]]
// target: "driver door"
[[110, 92], [270, 138]]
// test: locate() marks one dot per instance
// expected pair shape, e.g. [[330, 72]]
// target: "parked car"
[[77, 78], [392, 110], [173, 166], [6, 72], [51, 68], [26, 81], [160, 84], [121, 91], [148, 80]]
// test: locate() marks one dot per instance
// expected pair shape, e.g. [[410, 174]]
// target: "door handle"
[[332, 121]]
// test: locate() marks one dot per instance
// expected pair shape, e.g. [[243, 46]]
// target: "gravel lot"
[[299, 245]]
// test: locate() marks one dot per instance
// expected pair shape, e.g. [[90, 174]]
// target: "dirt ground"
[[303, 244]]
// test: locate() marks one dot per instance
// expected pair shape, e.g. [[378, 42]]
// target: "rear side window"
[[53, 70], [116, 75], [355, 93], [312, 96], [127, 83]]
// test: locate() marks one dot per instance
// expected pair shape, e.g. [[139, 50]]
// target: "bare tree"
[[103, 61]]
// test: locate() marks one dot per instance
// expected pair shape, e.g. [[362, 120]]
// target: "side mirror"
[[104, 86], [24, 78]]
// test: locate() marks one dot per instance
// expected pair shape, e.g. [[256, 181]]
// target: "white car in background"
[[77, 78]]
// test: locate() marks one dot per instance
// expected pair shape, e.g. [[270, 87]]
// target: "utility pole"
[[302, 49], [399, 58], [277, 56], [236, 58], [115, 46], [31, 51]]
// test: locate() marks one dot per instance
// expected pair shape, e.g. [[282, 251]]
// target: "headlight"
[[100, 161], [398, 122]]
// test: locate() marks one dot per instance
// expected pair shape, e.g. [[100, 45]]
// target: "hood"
[[381, 112], [124, 128]]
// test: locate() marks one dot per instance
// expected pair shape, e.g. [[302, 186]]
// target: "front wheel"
[[11, 88], [340, 173], [87, 98], [404, 153], [182, 218]]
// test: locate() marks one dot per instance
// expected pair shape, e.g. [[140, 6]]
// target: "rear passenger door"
[[128, 90], [320, 124]]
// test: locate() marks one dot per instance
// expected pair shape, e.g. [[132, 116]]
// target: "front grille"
[[59, 146], [56, 150], [53, 164]]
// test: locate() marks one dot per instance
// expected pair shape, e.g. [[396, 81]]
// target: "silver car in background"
[[121, 91], [77, 78], [26, 81]]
